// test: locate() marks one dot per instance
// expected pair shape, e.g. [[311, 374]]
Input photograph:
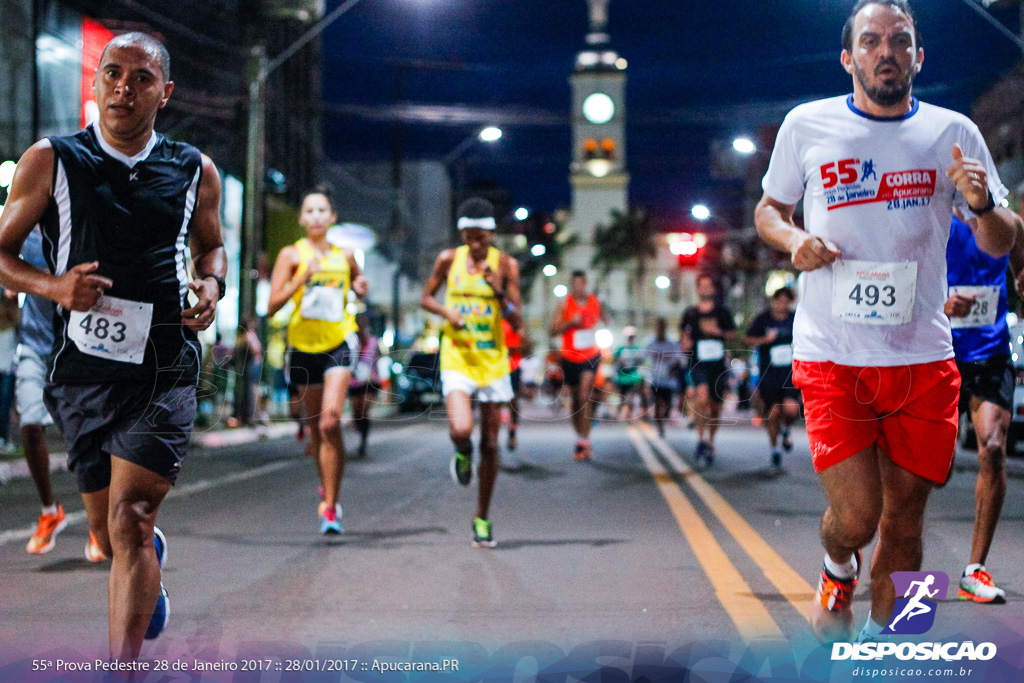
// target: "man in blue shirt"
[[977, 308], [35, 341]]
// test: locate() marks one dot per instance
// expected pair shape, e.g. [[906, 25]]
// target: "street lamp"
[[662, 282], [538, 250], [700, 212], [522, 213], [744, 145], [490, 134], [561, 290], [550, 270]]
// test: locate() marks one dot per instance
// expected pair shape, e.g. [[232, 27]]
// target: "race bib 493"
[[873, 292]]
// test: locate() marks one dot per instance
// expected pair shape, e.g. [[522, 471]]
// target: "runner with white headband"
[[481, 289]]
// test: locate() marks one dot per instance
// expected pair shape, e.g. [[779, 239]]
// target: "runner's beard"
[[885, 95]]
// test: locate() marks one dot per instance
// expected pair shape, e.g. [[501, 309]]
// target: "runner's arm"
[[559, 325], [958, 306], [774, 221], [359, 284], [438, 276], [996, 227], [28, 197], [511, 301], [208, 257], [283, 283], [1017, 256]]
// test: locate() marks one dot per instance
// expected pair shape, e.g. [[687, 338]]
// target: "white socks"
[[50, 510], [847, 570], [871, 631]]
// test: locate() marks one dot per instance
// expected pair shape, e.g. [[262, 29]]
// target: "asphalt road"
[[633, 550]]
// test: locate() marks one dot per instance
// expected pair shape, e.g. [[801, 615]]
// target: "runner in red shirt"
[[576, 320]]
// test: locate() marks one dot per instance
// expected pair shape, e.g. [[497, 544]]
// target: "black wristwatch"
[[991, 204], [221, 285]]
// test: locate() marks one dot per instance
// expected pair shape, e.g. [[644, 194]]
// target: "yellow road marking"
[[786, 580], [747, 613]]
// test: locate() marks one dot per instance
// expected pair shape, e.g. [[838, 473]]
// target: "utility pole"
[[255, 156], [258, 70], [396, 230]]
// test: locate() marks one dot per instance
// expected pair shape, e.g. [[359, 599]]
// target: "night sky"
[[698, 70]]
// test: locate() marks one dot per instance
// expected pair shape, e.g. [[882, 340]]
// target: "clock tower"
[[597, 173]]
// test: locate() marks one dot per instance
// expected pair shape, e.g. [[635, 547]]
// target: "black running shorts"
[[145, 425], [574, 371], [990, 380], [714, 375], [309, 368], [776, 385]]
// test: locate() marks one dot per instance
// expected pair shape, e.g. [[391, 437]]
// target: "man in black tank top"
[[117, 204]]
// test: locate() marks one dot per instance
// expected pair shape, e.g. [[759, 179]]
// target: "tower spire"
[[598, 15], [598, 21]]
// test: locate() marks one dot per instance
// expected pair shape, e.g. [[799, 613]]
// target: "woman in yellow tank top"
[[481, 288], [319, 278]]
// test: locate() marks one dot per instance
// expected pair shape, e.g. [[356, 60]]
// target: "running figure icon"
[[915, 606]]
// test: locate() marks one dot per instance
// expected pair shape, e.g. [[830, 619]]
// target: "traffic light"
[[687, 248]]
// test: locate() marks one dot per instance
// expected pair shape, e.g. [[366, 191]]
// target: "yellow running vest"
[[478, 350], [321, 321]]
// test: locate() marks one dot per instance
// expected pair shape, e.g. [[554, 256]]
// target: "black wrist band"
[[221, 285], [989, 206]]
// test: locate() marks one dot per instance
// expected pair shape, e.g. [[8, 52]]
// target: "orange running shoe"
[[582, 451], [832, 609], [46, 533], [976, 584], [93, 551]]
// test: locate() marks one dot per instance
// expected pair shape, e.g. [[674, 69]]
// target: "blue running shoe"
[[330, 520], [160, 543], [161, 614], [162, 611]]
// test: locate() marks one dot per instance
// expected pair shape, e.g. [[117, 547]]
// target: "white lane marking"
[[177, 492]]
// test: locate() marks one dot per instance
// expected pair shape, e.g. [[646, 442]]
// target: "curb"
[[18, 469]]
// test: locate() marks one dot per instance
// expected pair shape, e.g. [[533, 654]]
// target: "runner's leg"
[[332, 448], [311, 396], [991, 423], [97, 510], [899, 547], [854, 492], [772, 424], [490, 425], [588, 401], [37, 457], [460, 421], [134, 586]]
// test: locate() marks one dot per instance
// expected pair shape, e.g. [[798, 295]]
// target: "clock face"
[[598, 108]]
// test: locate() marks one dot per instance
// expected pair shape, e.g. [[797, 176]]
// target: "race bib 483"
[[115, 329]]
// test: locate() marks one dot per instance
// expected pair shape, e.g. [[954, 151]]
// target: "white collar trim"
[[121, 156]]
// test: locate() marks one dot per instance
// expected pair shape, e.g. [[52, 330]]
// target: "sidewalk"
[[13, 465]]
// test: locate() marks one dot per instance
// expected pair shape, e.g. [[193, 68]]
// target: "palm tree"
[[628, 241]]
